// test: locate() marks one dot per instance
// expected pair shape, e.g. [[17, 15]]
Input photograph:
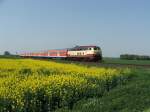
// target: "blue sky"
[[117, 26]]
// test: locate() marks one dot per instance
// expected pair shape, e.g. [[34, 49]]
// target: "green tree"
[[7, 53]]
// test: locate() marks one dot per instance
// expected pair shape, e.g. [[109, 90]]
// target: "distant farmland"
[[125, 61]]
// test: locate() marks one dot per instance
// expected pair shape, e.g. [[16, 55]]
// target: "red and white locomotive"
[[86, 53]]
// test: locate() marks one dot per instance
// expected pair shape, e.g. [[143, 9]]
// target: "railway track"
[[100, 64], [115, 64]]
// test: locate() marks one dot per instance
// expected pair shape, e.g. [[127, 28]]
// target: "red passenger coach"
[[57, 53], [47, 54]]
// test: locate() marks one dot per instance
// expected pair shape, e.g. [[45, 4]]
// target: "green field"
[[28, 85], [110, 62]]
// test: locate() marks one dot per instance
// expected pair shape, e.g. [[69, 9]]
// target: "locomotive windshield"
[[96, 48], [79, 48]]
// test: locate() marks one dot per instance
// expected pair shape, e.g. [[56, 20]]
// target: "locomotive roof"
[[85, 46], [81, 47], [88, 46]]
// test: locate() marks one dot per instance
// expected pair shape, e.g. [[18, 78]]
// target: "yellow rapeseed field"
[[35, 86]]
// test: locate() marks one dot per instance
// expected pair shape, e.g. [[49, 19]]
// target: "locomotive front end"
[[87, 53], [94, 53], [97, 53]]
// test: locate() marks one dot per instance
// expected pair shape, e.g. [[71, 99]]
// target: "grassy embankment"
[[132, 97]]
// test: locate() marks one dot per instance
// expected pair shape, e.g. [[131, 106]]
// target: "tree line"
[[134, 57], [7, 54]]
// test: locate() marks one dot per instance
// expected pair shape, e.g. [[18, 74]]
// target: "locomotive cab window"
[[90, 48]]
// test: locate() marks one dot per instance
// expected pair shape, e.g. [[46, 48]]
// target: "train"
[[79, 53]]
